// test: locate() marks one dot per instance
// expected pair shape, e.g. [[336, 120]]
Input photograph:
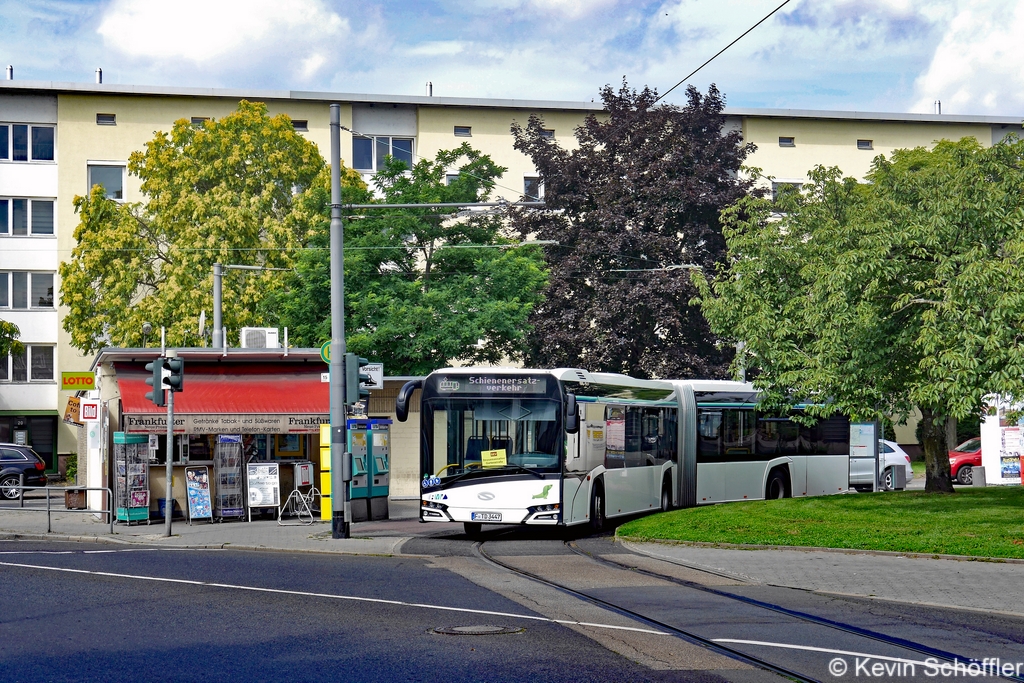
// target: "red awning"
[[236, 389]]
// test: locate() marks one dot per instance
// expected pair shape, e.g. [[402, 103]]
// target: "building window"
[[22, 290], [547, 132], [198, 121], [42, 143], [300, 125], [106, 119], [865, 144], [450, 178], [787, 142], [17, 216], [463, 131], [784, 187], [369, 153], [24, 142], [533, 188], [34, 364], [110, 177]]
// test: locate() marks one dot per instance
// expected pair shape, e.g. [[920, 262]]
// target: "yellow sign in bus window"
[[493, 458]]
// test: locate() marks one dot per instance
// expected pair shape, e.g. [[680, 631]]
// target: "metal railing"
[[108, 511]]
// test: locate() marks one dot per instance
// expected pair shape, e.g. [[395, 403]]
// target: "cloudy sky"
[[876, 55]]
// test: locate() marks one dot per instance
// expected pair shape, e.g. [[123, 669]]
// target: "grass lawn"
[[983, 522], [918, 467]]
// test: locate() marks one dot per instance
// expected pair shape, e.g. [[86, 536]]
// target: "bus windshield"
[[492, 435]]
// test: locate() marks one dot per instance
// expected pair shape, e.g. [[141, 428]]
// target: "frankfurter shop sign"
[[225, 423], [77, 381]]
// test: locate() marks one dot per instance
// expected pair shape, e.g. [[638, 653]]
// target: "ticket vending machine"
[[359, 447], [379, 478]]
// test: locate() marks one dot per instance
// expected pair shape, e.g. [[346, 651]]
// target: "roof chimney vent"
[[430, 89], [10, 72], [938, 106], [99, 75]]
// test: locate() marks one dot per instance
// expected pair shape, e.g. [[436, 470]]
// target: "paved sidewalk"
[[367, 538], [978, 585]]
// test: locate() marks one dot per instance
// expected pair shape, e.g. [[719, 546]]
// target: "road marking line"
[[354, 598], [77, 552], [818, 649]]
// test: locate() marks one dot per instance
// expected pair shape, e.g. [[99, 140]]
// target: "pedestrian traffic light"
[[175, 379], [354, 379], [156, 381]]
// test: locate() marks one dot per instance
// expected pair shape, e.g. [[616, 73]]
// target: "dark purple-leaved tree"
[[632, 208]]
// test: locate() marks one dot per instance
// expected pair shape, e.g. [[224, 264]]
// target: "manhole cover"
[[477, 630]]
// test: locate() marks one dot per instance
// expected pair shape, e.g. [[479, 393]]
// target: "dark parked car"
[[15, 460], [963, 459]]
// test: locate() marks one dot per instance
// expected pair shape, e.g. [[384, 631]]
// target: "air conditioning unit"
[[259, 338]]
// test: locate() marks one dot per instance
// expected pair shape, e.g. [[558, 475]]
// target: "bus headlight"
[[545, 512], [430, 508]]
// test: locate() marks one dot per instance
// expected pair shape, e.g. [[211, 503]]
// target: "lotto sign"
[[89, 410], [77, 381]]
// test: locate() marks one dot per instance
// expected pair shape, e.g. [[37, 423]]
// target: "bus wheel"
[[666, 498], [473, 529], [597, 518], [776, 487]]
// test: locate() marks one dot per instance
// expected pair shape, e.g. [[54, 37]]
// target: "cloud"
[[295, 34], [978, 67], [882, 55]]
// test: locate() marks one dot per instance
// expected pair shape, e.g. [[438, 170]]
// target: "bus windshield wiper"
[[526, 469]]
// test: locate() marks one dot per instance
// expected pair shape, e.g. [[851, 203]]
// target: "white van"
[[890, 455]]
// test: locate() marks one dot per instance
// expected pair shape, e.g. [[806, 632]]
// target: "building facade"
[[57, 140]]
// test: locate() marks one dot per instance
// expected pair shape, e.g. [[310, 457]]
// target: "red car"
[[963, 459]]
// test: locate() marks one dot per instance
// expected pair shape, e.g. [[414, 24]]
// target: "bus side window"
[[670, 436], [634, 434], [650, 437], [738, 431], [615, 437], [709, 424], [777, 436]]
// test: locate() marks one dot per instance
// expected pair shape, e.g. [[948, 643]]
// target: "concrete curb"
[[394, 550], [809, 549]]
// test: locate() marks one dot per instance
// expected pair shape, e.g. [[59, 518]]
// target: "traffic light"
[[354, 378], [175, 379], [156, 381]]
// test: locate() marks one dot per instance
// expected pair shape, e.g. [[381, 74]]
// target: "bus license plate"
[[485, 516]]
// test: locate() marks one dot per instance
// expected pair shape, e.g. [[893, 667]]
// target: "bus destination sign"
[[490, 384]]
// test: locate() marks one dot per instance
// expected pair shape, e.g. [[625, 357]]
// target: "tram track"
[[714, 644], [779, 609], [684, 634]]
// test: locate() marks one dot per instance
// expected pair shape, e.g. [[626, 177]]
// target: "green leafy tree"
[[232, 191], [873, 298], [9, 343], [424, 287]]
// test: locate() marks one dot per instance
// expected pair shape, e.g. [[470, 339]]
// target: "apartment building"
[[59, 139]]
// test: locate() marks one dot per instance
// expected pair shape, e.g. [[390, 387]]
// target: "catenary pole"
[[218, 333], [340, 506], [169, 471]]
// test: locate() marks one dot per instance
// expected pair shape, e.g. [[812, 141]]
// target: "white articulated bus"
[[568, 447]]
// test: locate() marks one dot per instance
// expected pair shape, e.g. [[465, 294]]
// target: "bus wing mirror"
[[404, 396], [572, 414]]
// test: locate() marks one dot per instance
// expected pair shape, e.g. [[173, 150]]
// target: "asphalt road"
[[80, 612], [110, 620]]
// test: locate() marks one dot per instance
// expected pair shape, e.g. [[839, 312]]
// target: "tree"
[[872, 298], [9, 343], [229, 191], [639, 197], [424, 287]]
